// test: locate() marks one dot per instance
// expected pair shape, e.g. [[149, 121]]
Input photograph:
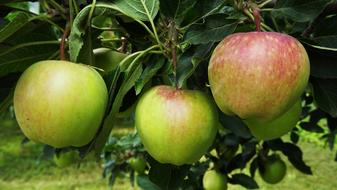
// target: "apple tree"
[[213, 88]]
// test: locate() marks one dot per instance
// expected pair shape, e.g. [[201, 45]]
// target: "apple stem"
[[63, 40], [173, 39], [257, 18]]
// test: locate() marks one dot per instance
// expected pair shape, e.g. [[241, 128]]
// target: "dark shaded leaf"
[[20, 20], [214, 29], [189, 61], [244, 180], [145, 183], [299, 10], [322, 62], [311, 127], [295, 156], [176, 9], [294, 137], [325, 94], [235, 125], [148, 73], [160, 174], [237, 162], [253, 167]]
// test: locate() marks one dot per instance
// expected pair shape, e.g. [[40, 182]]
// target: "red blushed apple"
[[258, 75]]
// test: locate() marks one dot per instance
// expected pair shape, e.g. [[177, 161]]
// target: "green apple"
[[60, 103], [64, 159], [258, 75], [267, 130], [176, 126], [214, 180], [107, 59], [273, 169], [138, 164]]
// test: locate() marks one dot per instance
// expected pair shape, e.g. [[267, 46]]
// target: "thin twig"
[[63, 40], [173, 43]]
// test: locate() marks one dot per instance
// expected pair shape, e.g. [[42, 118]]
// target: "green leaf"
[[131, 75], [160, 174], [202, 8], [322, 62], [214, 29], [30, 44], [129, 8], [20, 20], [144, 10], [145, 183], [327, 41], [235, 125], [244, 180], [299, 10], [148, 73], [189, 61], [295, 156], [325, 94], [176, 9], [80, 27]]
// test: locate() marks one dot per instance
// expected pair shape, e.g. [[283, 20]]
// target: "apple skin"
[[258, 75], [176, 126], [138, 164], [273, 170], [60, 103], [65, 159], [214, 180], [278, 127]]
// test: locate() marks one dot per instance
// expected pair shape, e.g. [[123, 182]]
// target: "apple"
[[278, 127], [214, 180], [65, 158], [107, 59], [60, 103], [138, 164], [273, 169], [258, 75], [176, 126]]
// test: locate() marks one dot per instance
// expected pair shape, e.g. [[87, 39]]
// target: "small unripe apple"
[[214, 180], [273, 170], [60, 103], [107, 59], [176, 126], [267, 130], [64, 159], [258, 75], [138, 164]]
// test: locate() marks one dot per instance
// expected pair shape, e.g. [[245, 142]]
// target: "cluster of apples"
[[257, 76]]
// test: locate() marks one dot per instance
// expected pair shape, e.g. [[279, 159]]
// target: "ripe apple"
[[267, 130], [273, 169], [258, 75], [64, 159], [138, 164], [60, 103], [176, 126], [214, 180]]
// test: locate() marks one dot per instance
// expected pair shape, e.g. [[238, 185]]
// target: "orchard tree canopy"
[[138, 44]]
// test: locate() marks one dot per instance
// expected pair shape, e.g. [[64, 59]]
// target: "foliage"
[[154, 34]]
